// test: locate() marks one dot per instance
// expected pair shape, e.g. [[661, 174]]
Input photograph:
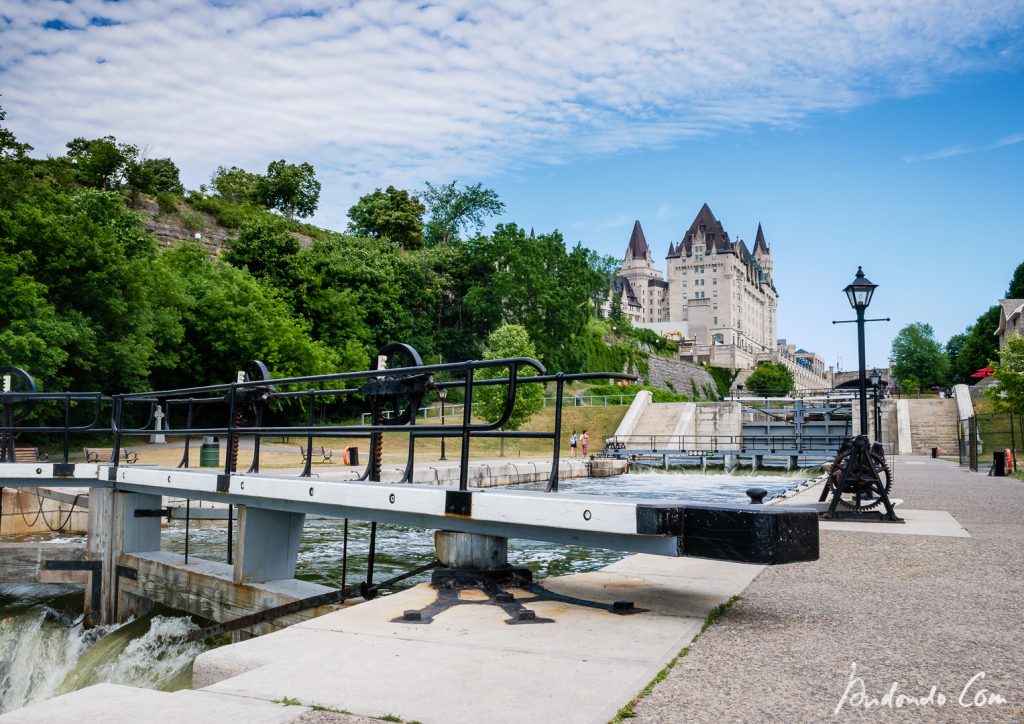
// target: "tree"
[[508, 340], [1016, 290], [266, 248], [101, 163], [236, 185], [1008, 371], [534, 281], [975, 347], [770, 379], [916, 353], [290, 188], [453, 211], [390, 214], [10, 148]]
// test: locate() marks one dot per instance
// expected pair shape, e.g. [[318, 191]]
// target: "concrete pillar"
[[729, 462], [758, 462], [703, 463], [470, 551], [268, 544], [114, 529], [793, 462]]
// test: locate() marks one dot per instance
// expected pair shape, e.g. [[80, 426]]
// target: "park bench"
[[324, 453], [106, 455], [28, 455], [613, 444]]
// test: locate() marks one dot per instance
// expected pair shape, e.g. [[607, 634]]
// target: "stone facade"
[[1011, 320], [718, 300]]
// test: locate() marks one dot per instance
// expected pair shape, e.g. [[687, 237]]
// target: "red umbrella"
[[983, 372]]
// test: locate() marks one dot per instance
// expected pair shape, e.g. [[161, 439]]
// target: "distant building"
[[718, 300], [1011, 320]]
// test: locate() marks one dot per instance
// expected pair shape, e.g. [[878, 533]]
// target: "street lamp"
[[443, 394], [859, 292], [876, 378]]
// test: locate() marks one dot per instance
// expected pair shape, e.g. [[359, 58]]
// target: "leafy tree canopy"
[[454, 211], [101, 163], [916, 353], [508, 340], [290, 188], [236, 185], [390, 214], [770, 379], [1008, 370], [976, 347], [1016, 290], [266, 247]]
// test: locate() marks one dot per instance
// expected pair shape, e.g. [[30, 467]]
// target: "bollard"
[[756, 495]]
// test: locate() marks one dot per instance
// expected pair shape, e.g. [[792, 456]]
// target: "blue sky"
[[887, 134]]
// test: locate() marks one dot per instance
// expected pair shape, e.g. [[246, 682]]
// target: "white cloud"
[[380, 91], [962, 149]]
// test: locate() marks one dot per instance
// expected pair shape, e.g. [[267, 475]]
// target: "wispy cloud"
[[384, 91], [961, 149]]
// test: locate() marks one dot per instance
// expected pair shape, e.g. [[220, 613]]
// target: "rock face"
[[182, 225], [672, 374]]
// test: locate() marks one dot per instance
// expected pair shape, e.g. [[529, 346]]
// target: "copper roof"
[[637, 248]]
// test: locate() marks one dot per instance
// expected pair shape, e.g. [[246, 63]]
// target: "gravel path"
[[919, 611]]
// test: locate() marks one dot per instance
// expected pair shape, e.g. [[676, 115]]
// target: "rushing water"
[[44, 650]]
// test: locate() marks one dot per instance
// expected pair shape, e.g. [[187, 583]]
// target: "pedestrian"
[[585, 441], [572, 442]]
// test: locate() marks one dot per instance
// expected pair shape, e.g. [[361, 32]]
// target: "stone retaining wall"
[[663, 371]]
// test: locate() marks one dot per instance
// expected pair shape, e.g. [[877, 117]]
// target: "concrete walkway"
[[933, 603], [917, 610]]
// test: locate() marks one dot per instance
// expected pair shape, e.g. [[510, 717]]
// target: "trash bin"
[[999, 464], [935, 452], [351, 456], [209, 452]]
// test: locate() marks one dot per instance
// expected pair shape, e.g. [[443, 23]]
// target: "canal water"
[[45, 651]]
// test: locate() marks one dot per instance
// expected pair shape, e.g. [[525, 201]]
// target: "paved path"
[[922, 611]]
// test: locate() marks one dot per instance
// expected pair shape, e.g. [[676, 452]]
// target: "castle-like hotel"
[[719, 301]]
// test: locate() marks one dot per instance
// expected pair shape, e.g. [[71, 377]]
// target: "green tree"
[[770, 379], [508, 340], [101, 163], [1016, 290], [390, 214], [916, 353], [975, 347], [453, 210], [290, 188], [534, 281], [230, 317], [266, 248], [10, 147], [1008, 370], [236, 185]]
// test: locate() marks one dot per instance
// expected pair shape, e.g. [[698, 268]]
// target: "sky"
[[884, 134]]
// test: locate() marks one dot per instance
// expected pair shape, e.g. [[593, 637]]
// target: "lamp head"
[[860, 290]]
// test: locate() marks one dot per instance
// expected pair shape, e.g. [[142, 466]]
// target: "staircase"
[[933, 423], [659, 421]]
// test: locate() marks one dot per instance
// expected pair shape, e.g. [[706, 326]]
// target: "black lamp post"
[[442, 393], [876, 377], [859, 292]]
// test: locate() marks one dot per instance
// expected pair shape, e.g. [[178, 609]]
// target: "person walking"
[[572, 443], [585, 442]]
